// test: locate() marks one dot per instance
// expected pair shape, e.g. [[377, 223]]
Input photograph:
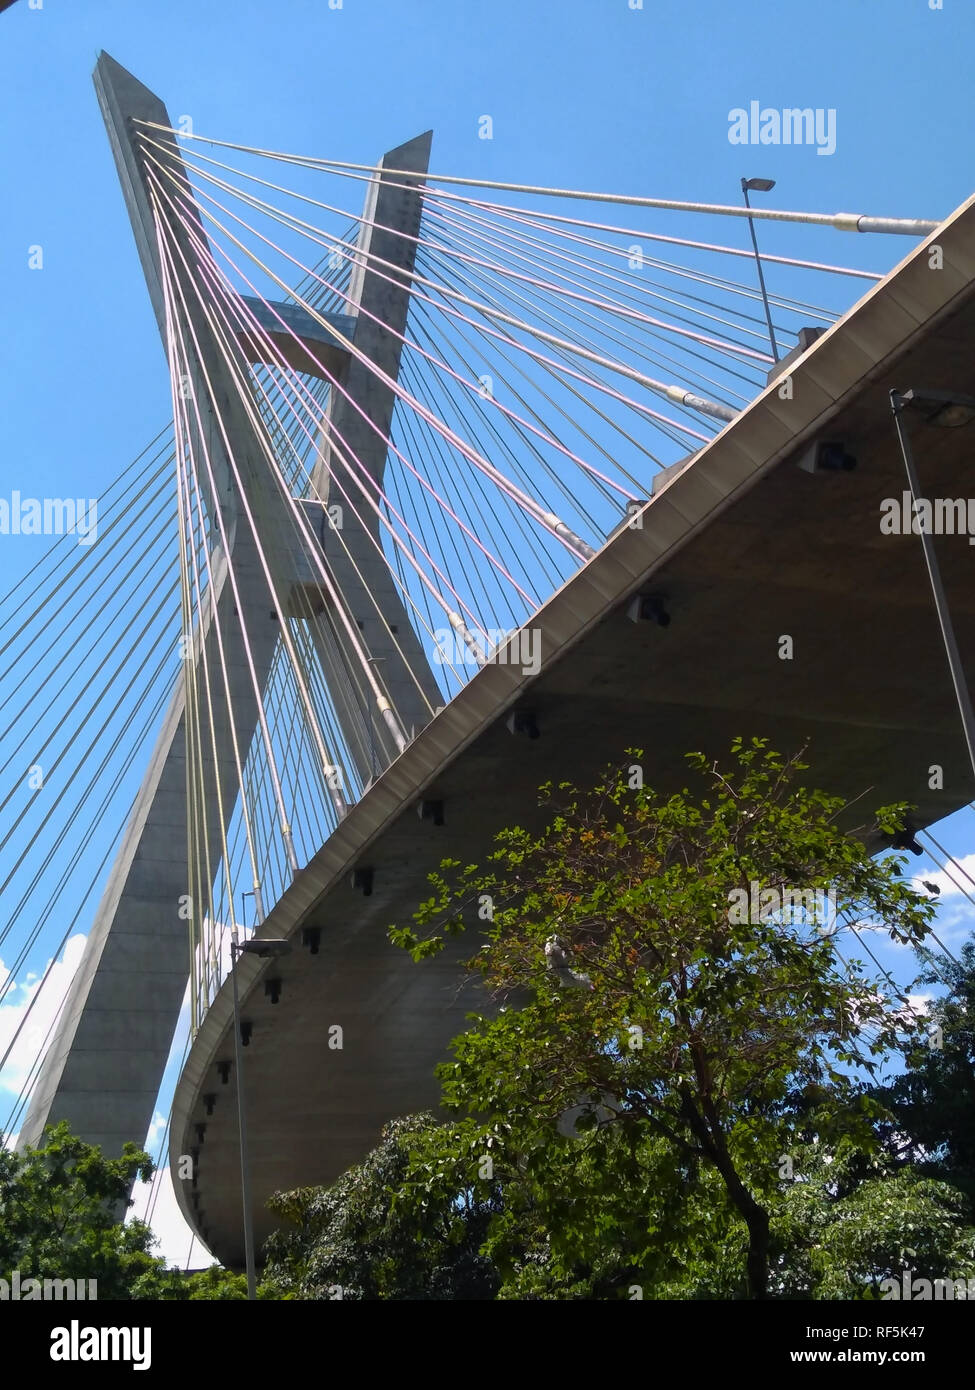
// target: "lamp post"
[[946, 410], [760, 186], [254, 947]]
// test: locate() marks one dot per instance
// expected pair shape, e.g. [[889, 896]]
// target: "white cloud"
[[14, 1011], [919, 1004], [165, 1217], [156, 1203], [951, 881]]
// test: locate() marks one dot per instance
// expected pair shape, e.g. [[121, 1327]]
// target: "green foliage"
[[706, 1043], [212, 1284], [844, 1225], [355, 1241], [572, 1219], [62, 1207], [932, 1103], [607, 1218], [217, 1283], [60, 1214], [393, 1226]]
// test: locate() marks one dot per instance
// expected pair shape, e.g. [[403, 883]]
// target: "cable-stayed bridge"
[[461, 495]]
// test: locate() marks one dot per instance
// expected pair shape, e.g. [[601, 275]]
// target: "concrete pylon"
[[357, 425], [103, 1070], [105, 1064]]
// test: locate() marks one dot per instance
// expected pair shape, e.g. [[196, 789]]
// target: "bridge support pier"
[[104, 1068]]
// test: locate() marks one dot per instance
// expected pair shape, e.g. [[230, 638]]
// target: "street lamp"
[[263, 947], [946, 410], [760, 186]]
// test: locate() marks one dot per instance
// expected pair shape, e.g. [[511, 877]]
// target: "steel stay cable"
[[955, 861], [468, 478], [260, 436], [337, 384], [319, 423], [425, 320], [323, 422], [534, 216], [485, 287], [671, 393], [307, 230], [482, 502], [93, 782], [63, 540], [350, 347], [11, 982], [82, 560], [57, 761], [231, 577], [411, 426], [198, 820], [540, 221], [382, 703], [658, 421], [842, 221], [633, 281], [293, 514], [558, 371], [722, 345], [414, 427], [649, 354], [196, 604], [80, 656]]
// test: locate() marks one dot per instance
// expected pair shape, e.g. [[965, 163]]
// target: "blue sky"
[[582, 94]]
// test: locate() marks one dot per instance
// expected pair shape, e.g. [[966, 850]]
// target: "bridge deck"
[[745, 547]]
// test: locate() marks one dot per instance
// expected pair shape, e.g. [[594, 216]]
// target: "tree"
[[652, 986], [933, 1102], [353, 1240], [848, 1222], [59, 1214], [60, 1205], [213, 1284]]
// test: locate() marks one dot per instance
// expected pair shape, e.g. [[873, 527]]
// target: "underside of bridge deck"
[[742, 548]]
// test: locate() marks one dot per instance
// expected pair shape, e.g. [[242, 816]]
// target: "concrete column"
[[392, 201], [103, 1071]]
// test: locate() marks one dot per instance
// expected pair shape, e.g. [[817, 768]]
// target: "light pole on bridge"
[[760, 186], [254, 947]]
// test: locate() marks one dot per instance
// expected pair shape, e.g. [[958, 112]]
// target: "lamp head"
[[757, 185], [948, 410], [263, 947]]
